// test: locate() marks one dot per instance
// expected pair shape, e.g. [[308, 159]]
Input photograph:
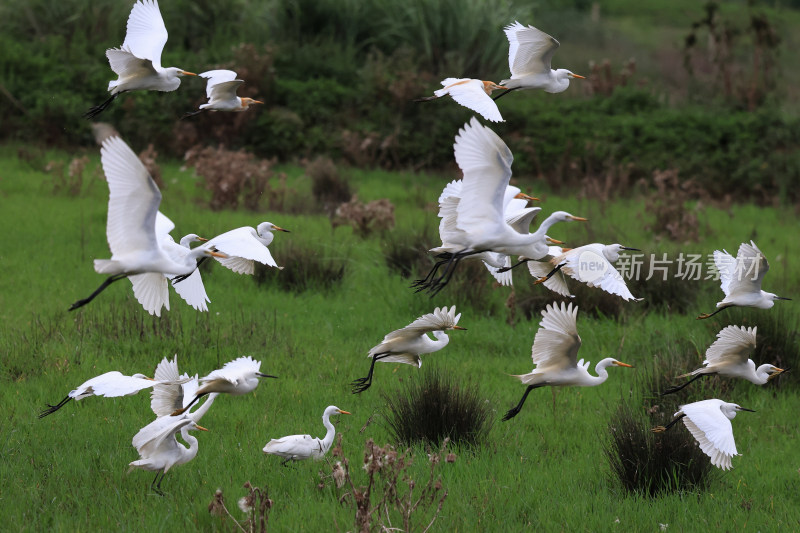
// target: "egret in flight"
[[472, 94], [555, 351], [176, 391], [300, 447], [221, 93], [709, 422], [236, 377], [137, 62], [530, 52], [407, 344], [109, 385], [741, 278], [728, 356], [132, 231]]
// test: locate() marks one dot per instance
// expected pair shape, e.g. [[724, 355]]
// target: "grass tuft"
[[305, 269], [435, 407]]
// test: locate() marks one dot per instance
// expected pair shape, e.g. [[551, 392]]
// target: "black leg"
[[422, 283], [96, 110], [661, 429], [499, 96], [191, 114], [515, 410], [436, 285], [550, 275], [178, 279], [676, 388], [109, 280], [361, 384], [53, 408], [181, 411], [520, 262], [426, 98], [706, 315]]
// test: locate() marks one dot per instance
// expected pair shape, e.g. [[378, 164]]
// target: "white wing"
[[557, 282], [241, 243], [734, 344], [712, 430], [232, 371], [503, 278], [471, 94], [146, 34], [115, 386], [191, 289], [127, 65], [159, 433], [133, 200], [486, 162], [530, 50], [556, 344], [439, 320], [218, 86], [150, 289], [521, 219], [610, 280], [451, 189]]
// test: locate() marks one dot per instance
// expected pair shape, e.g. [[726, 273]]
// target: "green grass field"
[[544, 469]]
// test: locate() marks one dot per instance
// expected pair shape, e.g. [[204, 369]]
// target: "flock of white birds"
[[482, 216]]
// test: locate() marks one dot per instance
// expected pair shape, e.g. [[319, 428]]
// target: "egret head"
[[573, 75], [181, 72], [186, 240], [194, 425], [490, 86], [268, 227], [612, 251], [774, 371], [563, 216], [246, 102], [523, 196], [776, 297], [620, 363], [333, 410]]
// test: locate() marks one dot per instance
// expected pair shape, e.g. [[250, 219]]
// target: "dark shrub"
[[435, 406], [304, 269]]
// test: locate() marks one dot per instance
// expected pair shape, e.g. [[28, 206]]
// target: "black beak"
[[631, 249], [748, 410], [782, 298], [259, 374]]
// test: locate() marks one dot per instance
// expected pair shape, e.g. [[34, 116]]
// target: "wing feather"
[[146, 33], [556, 343], [150, 289], [530, 50], [734, 344]]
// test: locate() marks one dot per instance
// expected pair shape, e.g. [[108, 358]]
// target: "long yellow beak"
[[280, 229], [201, 428], [201, 239], [344, 412], [218, 254], [187, 73], [577, 219], [579, 76], [554, 241], [459, 327], [623, 364], [523, 196]]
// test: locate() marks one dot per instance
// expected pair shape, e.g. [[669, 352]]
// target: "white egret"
[[221, 93], [541, 269], [176, 391], [109, 385], [741, 278], [555, 351], [709, 422], [486, 162], [137, 62], [301, 447], [593, 264], [236, 377], [190, 288], [407, 344], [728, 356], [472, 94], [530, 53], [243, 246], [159, 450], [517, 214], [131, 230]]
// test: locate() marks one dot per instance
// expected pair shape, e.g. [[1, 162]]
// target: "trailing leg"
[[109, 280]]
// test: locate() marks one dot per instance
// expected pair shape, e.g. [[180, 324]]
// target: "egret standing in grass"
[[407, 344], [132, 232], [138, 61], [741, 278], [300, 447], [709, 422], [236, 377], [555, 351], [221, 93], [472, 94], [728, 356], [530, 52]]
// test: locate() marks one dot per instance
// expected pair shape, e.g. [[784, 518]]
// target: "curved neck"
[[441, 339], [545, 225], [188, 453], [761, 374], [600, 369], [328, 440]]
